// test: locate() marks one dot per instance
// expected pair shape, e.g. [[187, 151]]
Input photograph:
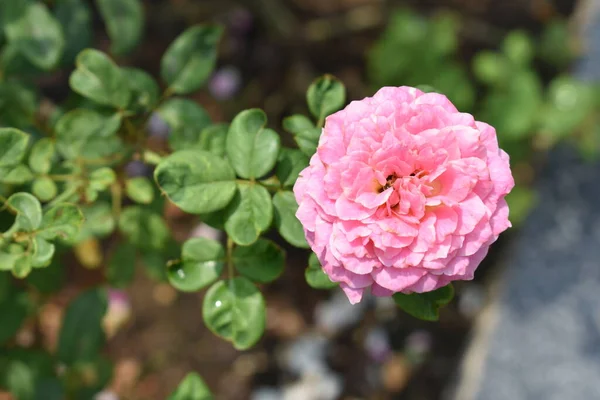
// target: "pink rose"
[[404, 194]]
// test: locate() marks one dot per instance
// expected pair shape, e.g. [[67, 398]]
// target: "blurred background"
[[511, 63]]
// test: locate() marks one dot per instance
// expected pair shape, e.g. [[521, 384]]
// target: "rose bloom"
[[404, 194]]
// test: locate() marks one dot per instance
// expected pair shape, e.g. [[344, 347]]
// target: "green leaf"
[[215, 219], [42, 154], [315, 276], [81, 336], [140, 190], [144, 90], [43, 252], [61, 221], [124, 21], [202, 261], [305, 133], [98, 222], [285, 219], [263, 261], [101, 372], [555, 46], [291, 163], [13, 144], [13, 311], [121, 268], [425, 306], [38, 35], [18, 104], [569, 103], [518, 47], [28, 210], [101, 178], [443, 34], [145, 228], [8, 260], [49, 389], [249, 214], [98, 78], [212, 139], [49, 279], [87, 134], [196, 181], [251, 148], [325, 96], [235, 311], [154, 263], [191, 58], [5, 287], [186, 119], [44, 188], [15, 65], [20, 380], [513, 108], [16, 175], [22, 266], [192, 388], [75, 17], [297, 123]]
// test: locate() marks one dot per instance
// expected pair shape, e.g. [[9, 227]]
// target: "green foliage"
[[99, 79], [315, 277], [425, 305], [89, 134], [140, 190], [202, 261], [235, 310], [190, 59], [144, 90], [144, 228], [325, 96], [121, 268], [251, 148], [191, 388], [286, 222], [186, 120], [249, 214], [37, 35], [305, 133], [14, 308], [124, 21], [196, 181], [81, 336], [13, 144], [263, 261], [75, 17]]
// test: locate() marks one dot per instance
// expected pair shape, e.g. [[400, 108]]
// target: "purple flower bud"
[[225, 83], [137, 168], [158, 127]]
